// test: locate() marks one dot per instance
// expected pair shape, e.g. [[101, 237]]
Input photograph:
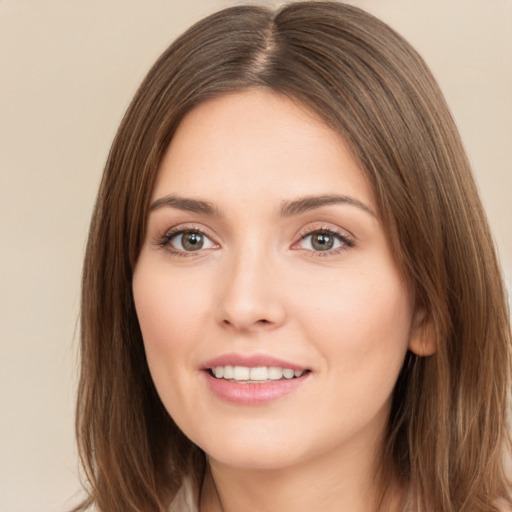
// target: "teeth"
[[288, 374], [228, 372], [275, 373], [259, 373], [241, 373], [256, 374]]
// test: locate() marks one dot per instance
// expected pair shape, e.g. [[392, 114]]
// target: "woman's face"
[[265, 263]]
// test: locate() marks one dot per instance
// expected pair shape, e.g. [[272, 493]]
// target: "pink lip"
[[251, 360], [260, 393]]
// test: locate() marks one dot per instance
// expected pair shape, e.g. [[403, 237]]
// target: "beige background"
[[67, 71]]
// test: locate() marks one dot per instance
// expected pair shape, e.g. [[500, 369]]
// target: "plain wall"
[[67, 72]]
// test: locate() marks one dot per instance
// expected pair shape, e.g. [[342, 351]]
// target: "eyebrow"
[[185, 203], [305, 204], [286, 209]]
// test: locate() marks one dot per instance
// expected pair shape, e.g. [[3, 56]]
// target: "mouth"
[[253, 379], [254, 375]]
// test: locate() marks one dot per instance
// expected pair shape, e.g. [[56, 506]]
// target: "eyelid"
[[163, 239], [346, 238]]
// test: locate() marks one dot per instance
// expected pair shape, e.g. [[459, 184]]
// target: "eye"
[[188, 240], [324, 240]]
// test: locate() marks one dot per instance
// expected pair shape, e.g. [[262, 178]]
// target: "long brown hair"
[[447, 429]]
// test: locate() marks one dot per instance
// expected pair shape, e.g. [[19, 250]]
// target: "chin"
[[253, 451], [270, 459]]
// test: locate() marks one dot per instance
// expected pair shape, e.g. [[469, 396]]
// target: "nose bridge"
[[250, 295]]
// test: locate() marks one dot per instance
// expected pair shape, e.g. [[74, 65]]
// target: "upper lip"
[[249, 360]]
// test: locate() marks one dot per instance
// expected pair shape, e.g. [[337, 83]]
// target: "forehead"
[[254, 144]]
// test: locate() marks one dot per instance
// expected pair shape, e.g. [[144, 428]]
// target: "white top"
[[186, 500]]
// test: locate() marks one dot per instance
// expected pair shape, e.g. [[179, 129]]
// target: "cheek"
[[169, 309], [360, 323]]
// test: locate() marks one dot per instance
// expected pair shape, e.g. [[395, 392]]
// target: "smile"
[[254, 374], [253, 379]]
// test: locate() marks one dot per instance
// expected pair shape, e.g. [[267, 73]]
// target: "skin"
[[258, 287]]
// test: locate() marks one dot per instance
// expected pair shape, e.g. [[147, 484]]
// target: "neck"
[[334, 482]]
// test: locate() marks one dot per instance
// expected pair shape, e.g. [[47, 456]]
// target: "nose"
[[251, 294]]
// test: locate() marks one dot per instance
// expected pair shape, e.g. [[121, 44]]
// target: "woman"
[[291, 299]]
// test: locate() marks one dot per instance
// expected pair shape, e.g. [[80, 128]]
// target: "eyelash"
[[347, 242], [165, 240]]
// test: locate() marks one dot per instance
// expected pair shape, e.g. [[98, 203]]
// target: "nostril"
[[263, 322]]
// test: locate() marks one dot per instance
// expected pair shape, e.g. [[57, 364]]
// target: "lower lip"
[[252, 393]]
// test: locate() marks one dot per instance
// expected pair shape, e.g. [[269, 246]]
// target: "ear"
[[422, 341]]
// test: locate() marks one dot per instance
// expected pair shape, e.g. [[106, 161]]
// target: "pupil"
[[322, 242], [192, 241]]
